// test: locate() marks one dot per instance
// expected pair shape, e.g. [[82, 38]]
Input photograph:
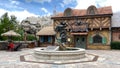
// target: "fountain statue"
[[63, 35], [61, 52]]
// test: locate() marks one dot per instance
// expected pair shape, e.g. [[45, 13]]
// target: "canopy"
[[10, 33]]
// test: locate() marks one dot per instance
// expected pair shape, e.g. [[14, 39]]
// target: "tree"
[[7, 23]]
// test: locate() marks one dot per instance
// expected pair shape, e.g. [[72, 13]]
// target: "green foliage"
[[115, 45], [20, 38], [10, 23], [7, 23], [31, 37]]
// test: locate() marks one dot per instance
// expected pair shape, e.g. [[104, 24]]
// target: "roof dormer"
[[92, 10], [68, 12]]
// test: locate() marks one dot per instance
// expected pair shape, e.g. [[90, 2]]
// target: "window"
[[45, 39], [92, 10], [77, 39], [68, 12], [97, 39]]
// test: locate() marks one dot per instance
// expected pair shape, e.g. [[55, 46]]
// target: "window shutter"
[[49, 39], [90, 40], [104, 40], [41, 39]]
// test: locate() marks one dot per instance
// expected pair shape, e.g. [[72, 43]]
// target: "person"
[[17, 47], [11, 46]]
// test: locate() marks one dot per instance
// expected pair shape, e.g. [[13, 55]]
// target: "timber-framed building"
[[87, 28]]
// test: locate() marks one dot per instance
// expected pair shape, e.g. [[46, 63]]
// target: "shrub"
[[115, 45], [31, 37]]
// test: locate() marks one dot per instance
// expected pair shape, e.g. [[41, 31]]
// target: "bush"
[[115, 45], [31, 37]]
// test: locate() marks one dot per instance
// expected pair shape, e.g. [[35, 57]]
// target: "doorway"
[[80, 41]]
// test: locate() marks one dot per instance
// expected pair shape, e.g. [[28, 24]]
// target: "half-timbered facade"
[[89, 29]]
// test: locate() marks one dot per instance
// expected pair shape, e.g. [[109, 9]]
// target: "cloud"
[[45, 10], [115, 4], [21, 15], [66, 2], [15, 2], [39, 1], [28, 0], [12, 5], [62, 5], [84, 4]]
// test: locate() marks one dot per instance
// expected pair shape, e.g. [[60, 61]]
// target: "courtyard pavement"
[[107, 59]]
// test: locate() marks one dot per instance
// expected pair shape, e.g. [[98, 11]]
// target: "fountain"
[[60, 52]]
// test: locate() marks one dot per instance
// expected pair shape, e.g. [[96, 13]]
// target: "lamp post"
[[68, 39]]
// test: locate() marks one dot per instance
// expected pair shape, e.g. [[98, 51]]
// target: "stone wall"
[[25, 44]]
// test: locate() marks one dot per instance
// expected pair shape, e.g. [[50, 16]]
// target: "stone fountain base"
[[53, 53]]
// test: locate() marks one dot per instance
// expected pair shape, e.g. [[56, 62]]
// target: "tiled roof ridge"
[[82, 12]]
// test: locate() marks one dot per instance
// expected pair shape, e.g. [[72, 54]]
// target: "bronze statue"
[[63, 35]]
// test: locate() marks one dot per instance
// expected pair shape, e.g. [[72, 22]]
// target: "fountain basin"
[[70, 54]]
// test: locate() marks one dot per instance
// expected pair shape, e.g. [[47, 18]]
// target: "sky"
[[26, 8]]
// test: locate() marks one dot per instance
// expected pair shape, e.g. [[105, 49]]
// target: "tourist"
[[11, 46]]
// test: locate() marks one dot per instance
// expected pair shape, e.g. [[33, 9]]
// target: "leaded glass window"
[[97, 39]]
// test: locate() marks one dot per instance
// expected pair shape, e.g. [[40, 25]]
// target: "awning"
[[79, 33]]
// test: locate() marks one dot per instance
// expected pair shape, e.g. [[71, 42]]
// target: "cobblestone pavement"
[[108, 59]]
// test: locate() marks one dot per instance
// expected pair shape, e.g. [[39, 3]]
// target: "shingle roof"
[[46, 31], [82, 12]]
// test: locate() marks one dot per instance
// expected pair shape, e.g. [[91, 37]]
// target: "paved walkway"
[[108, 59]]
